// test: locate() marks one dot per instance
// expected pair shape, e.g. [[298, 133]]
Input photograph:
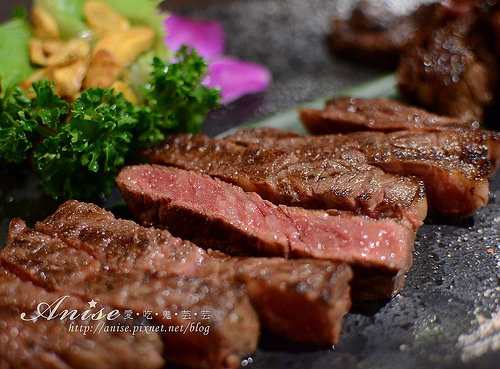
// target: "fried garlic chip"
[[101, 17], [45, 26]]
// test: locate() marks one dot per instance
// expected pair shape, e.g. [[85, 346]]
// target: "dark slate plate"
[[448, 314]]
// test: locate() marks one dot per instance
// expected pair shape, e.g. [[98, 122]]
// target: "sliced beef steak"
[[374, 34], [122, 245], [449, 72], [45, 342], [316, 181], [453, 164], [218, 215], [348, 114], [446, 54], [302, 299], [232, 329], [88, 227]]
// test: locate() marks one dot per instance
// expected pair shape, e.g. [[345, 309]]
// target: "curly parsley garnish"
[[79, 148]]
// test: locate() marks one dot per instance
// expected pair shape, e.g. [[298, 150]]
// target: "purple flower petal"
[[236, 78], [205, 36]]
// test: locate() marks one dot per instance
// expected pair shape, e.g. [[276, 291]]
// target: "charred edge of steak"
[[347, 114], [208, 208], [76, 273]]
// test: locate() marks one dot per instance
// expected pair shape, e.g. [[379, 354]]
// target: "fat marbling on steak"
[[316, 181], [219, 215]]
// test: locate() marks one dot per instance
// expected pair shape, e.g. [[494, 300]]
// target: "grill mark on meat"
[[233, 323], [328, 296], [50, 343], [347, 114], [312, 179], [453, 164], [207, 217]]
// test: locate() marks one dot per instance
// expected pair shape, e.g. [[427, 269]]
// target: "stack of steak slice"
[[234, 327], [84, 251], [219, 215], [460, 151], [321, 178], [447, 56], [88, 227], [454, 165]]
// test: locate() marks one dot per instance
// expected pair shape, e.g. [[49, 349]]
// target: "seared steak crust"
[[453, 164], [222, 216]]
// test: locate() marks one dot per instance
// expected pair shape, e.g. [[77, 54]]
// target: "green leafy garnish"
[[175, 97], [14, 55], [78, 150], [24, 119]]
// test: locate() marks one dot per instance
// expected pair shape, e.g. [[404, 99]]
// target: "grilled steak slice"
[[448, 73], [232, 323], [454, 70], [55, 343], [446, 55], [88, 227], [317, 181], [282, 291], [120, 244], [453, 164], [376, 35], [222, 216], [345, 114]]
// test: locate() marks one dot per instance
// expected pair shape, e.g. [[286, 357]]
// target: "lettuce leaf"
[[14, 57]]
